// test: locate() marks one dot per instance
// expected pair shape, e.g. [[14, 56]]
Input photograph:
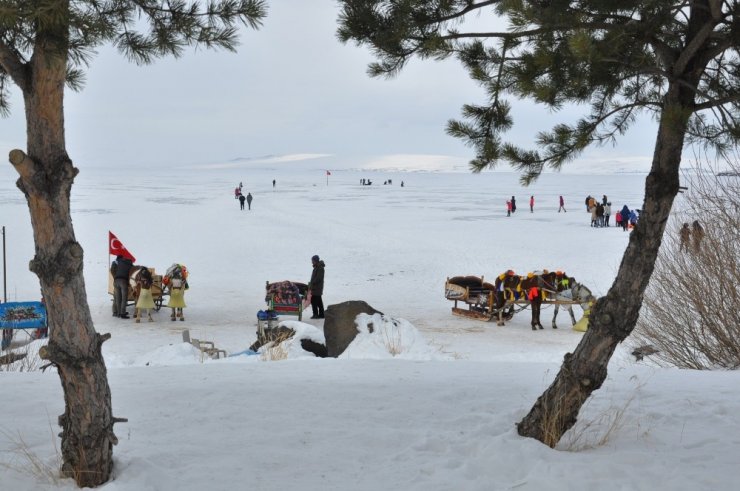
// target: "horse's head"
[[582, 294], [549, 280], [512, 281]]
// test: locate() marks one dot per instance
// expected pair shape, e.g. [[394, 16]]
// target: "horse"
[[571, 291], [513, 289], [535, 288], [507, 294], [176, 279], [531, 286], [142, 284]]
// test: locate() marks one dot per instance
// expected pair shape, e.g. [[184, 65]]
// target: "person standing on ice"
[[513, 204], [316, 287], [120, 285], [508, 208], [562, 205], [625, 216], [531, 204], [241, 201], [685, 236], [249, 201]]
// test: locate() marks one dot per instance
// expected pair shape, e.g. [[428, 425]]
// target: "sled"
[[285, 297], [472, 296]]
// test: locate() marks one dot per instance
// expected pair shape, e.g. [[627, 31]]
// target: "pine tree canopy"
[[143, 30], [616, 58]]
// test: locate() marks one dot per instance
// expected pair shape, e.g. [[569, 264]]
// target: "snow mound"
[[169, 355], [291, 348], [380, 338]]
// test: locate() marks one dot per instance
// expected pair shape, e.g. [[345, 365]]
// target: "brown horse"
[[532, 290], [143, 299], [511, 294]]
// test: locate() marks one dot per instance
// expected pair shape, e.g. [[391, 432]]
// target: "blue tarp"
[[248, 352]]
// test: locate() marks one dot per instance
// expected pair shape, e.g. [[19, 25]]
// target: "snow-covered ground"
[[440, 415]]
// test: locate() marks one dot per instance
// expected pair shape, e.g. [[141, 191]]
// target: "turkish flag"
[[117, 249]]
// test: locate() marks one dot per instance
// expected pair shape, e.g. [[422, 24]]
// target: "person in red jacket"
[[531, 204], [562, 205]]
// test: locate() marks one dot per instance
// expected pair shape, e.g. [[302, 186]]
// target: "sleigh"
[[285, 297], [472, 296], [158, 292], [475, 298]]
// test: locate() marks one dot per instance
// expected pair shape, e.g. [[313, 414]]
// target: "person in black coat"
[[121, 269], [513, 204], [316, 287]]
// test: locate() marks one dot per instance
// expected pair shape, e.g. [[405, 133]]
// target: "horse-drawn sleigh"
[[511, 293]]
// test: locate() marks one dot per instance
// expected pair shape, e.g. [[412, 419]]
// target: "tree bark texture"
[[614, 316], [46, 176]]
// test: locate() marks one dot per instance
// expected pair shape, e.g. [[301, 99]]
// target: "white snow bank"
[[380, 338]]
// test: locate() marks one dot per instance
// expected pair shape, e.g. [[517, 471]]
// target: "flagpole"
[[5, 284]]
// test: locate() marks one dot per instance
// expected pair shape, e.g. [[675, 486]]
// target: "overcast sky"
[[292, 88]]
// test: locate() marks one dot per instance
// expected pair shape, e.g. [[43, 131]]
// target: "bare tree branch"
[[14, 66]]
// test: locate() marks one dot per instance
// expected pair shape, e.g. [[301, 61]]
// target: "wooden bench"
[[206, 347]]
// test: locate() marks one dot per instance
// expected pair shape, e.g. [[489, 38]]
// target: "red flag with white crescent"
[[117, 249]]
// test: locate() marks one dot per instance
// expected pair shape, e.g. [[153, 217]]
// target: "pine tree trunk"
[[614, 316], [46, 176]]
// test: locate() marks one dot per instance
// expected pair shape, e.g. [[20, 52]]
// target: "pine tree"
[[45, 45], [674, 60]]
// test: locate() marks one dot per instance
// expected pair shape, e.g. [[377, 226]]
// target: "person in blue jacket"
[[625, 213]]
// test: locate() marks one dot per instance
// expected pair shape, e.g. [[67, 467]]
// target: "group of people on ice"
[[511, 205], [601, 212], [248, 198]]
